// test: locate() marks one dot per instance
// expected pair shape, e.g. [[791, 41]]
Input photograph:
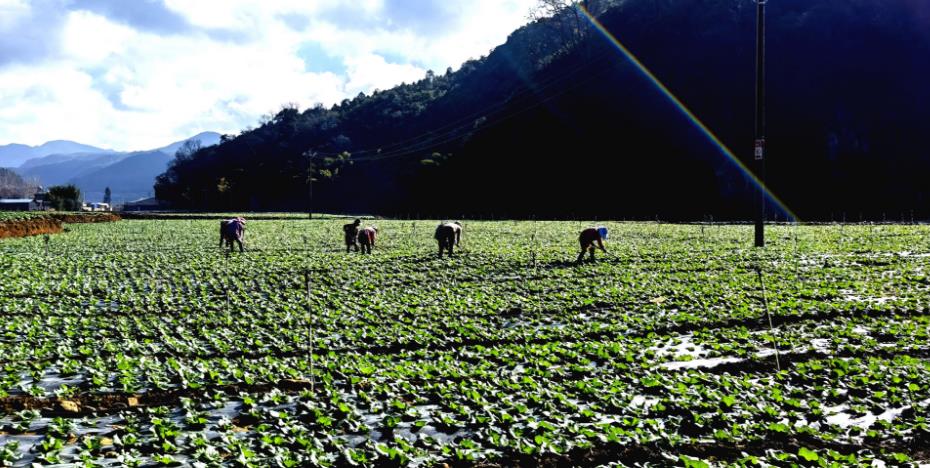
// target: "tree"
[[222, 186], [107, 196], [65, 198], [188, 149], [326, 169], [12, 185], [515, 118], [566, 16]]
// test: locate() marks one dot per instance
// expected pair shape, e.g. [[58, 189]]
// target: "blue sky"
[[130, 74]]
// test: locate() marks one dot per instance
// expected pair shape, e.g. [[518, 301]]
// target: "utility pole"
[[759, 153]]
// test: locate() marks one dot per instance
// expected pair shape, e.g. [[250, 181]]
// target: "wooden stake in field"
[[226, 283], [535, 247], [797, 260], [535, 273], [461, 238], [765, 303], [310, 337]]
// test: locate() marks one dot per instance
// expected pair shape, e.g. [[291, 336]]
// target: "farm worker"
[[366, 238], [448, 235], [351, 234], [232, 230], [588, 238]]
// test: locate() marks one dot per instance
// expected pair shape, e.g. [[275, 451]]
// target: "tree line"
[[558, 123]]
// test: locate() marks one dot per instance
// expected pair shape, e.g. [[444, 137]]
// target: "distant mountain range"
[[15, 154], [130, 175]]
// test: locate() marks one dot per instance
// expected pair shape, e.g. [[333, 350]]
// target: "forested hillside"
[[558, 123], [12, 185]]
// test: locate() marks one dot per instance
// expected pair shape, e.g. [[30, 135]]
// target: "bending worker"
[[351, 234], [588, 238], [448, 235], [366, 238], [232, 230]]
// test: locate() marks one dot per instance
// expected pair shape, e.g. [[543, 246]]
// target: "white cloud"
[[90, 38], [11, 11], [370, 72], [56, 97], [115, 86], [484, 25], [238, 14]]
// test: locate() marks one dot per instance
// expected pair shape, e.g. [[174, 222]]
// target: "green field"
[[141, 342], [19, 215]]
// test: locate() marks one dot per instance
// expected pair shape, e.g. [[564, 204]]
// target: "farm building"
[[96, 207], [144, 204], [18, 204], [41, 199]]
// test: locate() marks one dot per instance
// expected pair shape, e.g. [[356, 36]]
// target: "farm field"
[[141, 343]]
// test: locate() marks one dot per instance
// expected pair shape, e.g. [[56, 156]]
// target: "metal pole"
[[760, 121]]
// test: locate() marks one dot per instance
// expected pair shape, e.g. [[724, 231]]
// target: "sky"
[[138, 74]]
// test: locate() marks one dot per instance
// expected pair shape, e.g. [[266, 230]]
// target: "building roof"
[[145, 201]]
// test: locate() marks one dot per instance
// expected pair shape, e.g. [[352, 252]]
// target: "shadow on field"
[[566, 264], [558, 264]]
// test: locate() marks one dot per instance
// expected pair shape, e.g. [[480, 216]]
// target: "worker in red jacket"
[[366, 238], [588, 238]]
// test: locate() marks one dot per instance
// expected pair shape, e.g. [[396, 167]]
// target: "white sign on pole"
[[760, 149]]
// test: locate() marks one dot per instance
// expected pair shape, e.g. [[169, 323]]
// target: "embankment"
[[29, 227], [50, 223], [81, 218]]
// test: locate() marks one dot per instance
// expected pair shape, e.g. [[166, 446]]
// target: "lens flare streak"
[[687, 112]]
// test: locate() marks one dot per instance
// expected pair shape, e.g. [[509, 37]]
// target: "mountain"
[[129, 179], [60, 169], [90, 159], [132, 175], [205, 139], [129, 175], [14, 155], [67, 147], [13, 186], [560, 122]]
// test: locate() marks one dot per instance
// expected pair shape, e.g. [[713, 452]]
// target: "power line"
[[429, 143], [525, 92]]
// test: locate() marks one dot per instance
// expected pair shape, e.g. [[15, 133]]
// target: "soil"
[[199, 217], [29, 227], [50, 223], [82, 218]]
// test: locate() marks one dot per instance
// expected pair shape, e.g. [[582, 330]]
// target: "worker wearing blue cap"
[[588, 238]]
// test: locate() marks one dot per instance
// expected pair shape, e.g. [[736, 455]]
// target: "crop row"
[[143, 342]]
